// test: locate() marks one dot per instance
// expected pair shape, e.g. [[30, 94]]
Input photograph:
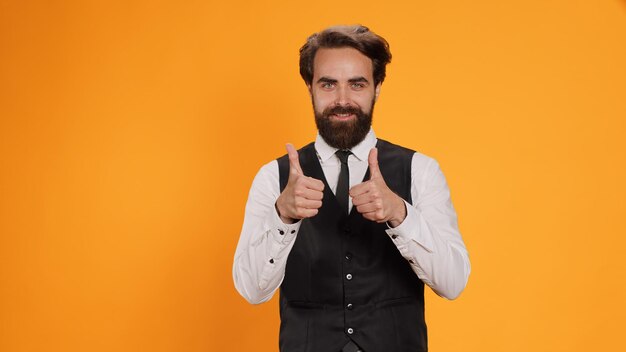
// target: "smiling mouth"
[[343, 116]]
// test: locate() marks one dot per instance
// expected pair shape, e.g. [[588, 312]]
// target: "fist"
[[302, 196], [374, 200]]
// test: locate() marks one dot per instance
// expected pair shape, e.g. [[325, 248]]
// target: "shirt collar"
[[361, 151]]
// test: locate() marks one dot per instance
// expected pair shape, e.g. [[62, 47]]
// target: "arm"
[[270, 226], [429, 237], [265, 241]]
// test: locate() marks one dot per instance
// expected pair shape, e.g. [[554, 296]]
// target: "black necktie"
[[343, 185]]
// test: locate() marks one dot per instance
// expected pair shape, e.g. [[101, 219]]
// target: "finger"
[[310, 194], [372, 160], [362, 199], [308, 204], [294, 161], [314, 184], [359, 189], [374, 216], [306, 213], [367, 208], [369, 197]]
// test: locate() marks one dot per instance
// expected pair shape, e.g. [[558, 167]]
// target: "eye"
[[358, 85], [327, 85]]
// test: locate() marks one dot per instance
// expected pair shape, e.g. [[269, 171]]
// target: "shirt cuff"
[[279, 231], [412, 228]]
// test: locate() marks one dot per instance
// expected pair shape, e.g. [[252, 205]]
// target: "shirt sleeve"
[[265, 241], [429, 237]]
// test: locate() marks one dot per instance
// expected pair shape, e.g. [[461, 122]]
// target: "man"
[[350, 227]]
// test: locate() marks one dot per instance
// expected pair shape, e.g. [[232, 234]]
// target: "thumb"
[[372, 160], [294, 161]]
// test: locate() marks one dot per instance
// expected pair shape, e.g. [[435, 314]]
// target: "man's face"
[[343, 95]]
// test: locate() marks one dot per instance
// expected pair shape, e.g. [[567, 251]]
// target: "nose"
[[343, 96]]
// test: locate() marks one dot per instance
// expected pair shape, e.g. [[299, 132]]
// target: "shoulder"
[[268, 173], [384, 145], [423, 162], [422, 165], [394, 155], [264, 187], [426, 174]]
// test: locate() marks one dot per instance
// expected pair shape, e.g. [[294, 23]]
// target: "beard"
[[343, 134]]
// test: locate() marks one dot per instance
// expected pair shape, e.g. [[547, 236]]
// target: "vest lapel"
[[311, 167]]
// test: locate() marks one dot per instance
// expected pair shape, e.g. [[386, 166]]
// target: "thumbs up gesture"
[[302, 196], [374, 200]]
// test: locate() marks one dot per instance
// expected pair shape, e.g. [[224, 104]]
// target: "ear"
[[308, 86], [377, 91]]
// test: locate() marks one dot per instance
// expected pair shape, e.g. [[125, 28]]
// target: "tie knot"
[[343, 156]]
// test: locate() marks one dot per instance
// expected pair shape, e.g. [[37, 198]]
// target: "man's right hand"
[[302, 197]]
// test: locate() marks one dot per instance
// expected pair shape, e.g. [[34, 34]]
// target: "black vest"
[[345, 279]]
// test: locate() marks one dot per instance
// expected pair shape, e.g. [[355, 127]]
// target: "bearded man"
[[349, 227]]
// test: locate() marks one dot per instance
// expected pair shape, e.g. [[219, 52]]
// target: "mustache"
[[336, 110]]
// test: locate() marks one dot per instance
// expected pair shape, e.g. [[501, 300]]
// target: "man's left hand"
[[374, 200]]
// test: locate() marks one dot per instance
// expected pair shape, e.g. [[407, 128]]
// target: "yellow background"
[[130, 133]]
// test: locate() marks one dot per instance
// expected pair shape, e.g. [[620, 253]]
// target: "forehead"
[[341, 63]]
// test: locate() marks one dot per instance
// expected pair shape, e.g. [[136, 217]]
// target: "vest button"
[[349, 306], [349, 276], [350, 331], [348, 256], [347, 229]]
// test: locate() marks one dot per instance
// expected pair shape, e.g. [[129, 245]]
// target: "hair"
[[358, 37]]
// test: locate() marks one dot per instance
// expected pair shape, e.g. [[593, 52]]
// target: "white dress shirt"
[[428, 238]]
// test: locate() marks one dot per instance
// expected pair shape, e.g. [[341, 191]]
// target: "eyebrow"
[[326, 80], [359, 79]]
